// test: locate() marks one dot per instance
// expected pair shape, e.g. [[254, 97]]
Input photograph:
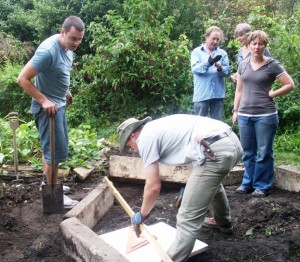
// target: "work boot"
[[259, 194], [209, 222]]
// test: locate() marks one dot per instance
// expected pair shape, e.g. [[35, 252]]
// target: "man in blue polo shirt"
[[51, 68]]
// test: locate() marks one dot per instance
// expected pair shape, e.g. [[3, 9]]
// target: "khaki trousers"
[[203, 189]]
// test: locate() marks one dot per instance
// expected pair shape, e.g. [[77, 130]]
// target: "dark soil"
[[264, 229]]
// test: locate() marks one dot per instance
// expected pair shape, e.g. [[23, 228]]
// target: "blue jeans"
[[257, 137], [214, 106], [42, 122]]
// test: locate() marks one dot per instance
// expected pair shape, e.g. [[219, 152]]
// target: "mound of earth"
[[265, 229]]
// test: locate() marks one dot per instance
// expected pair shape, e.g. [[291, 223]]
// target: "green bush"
[[12, 96], [136, 69], [84, 145]]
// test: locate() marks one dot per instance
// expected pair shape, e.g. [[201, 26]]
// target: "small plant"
[[268, 231], [249, 232], [84, 145], [275, 207]]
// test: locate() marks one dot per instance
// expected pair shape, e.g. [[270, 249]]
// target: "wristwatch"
[[234, 110]]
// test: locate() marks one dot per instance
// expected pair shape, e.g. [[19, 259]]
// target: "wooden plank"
[[11, 168], [26, 177], [131, 168]]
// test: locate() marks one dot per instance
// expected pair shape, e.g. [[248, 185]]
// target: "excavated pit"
[[92, 216]]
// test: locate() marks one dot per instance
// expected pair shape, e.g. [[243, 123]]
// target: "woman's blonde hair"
[[261, 35]]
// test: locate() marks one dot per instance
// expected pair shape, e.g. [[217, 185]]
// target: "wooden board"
[[164, 234]]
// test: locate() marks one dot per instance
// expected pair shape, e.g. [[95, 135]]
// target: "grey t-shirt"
[[255, 98], [240, 57], [171, 140]]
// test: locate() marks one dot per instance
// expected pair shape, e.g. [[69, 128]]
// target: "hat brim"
[[128, 131]]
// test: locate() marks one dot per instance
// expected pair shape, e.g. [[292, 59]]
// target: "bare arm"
[[151, 189], [287, 85], [237, 98], [233, 78], [25, 81]]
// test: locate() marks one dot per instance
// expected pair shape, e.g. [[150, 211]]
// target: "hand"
[[233, 78], [212, 60], [234, 117], [218, 65], [271, 93], [49, 107], [69, 99], [136, 220]]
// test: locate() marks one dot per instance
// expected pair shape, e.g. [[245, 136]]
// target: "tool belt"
[[205, 142]]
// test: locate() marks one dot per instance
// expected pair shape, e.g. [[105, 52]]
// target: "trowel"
[[14, 124]]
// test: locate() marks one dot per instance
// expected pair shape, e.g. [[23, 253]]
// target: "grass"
[[287, 158], [287, 148]]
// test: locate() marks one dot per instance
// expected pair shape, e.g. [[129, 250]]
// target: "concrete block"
[[124, 167], [82, 173], [132, 168], [82, 244], [63, 173], [93, 207], [287, 178], [235, 176]]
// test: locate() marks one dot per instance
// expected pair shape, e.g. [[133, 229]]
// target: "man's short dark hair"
[[73, 21]]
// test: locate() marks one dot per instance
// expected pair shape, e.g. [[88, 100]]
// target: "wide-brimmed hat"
[[126, 128]]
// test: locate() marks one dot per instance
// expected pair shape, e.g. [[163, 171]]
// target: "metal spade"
[[53, 197]]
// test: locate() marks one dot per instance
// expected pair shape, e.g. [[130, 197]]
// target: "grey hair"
[[243, 28], [212, 29]]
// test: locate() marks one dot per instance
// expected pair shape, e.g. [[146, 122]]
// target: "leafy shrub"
[[136, 69], [13, 51], [84, 147], [12, 96]]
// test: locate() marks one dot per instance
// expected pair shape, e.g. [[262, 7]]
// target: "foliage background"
[[134, 60]]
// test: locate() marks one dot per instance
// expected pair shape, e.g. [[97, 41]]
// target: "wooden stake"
[[143, 228]]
